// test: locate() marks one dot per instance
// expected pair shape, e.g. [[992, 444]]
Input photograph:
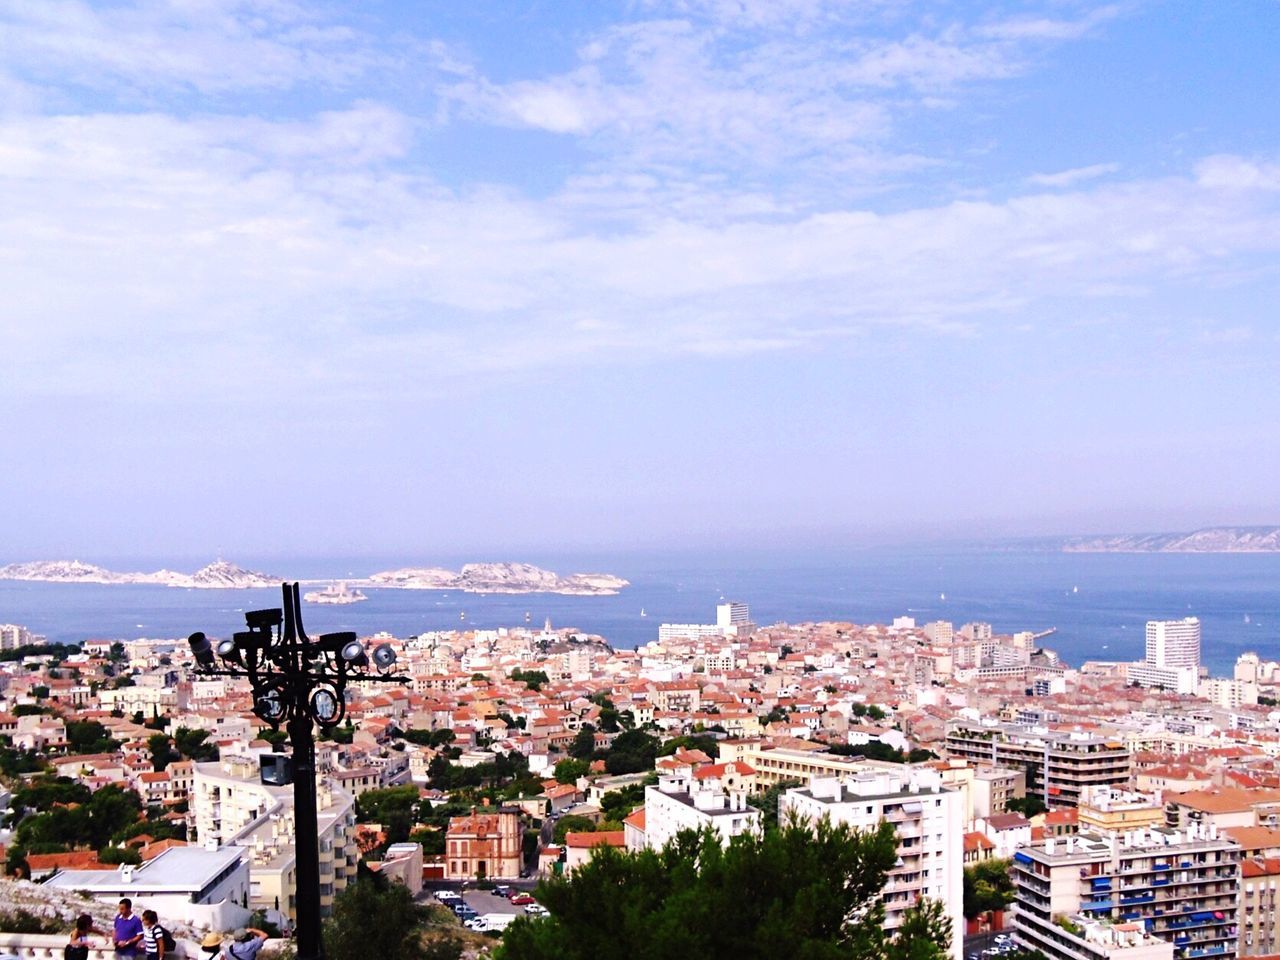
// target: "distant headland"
[[1205, 540], [221, 575]]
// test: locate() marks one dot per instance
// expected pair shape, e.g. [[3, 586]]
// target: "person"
[[128, 931], [152, 936], [244, 944], [78, 944]]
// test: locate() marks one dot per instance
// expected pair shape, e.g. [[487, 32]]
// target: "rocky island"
[[498, 578], [1206, 540], [219, 575]]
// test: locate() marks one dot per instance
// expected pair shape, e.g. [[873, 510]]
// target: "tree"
[[162, 752], [194, 745], [708, 745], [1029, 806], [532, 679], [805, 891], [924, 932], [375, 920], [376, 806], [570, 769], [631, 752], [767, 802], [584, 743], [572, 824], [987, 886], [89, 736]]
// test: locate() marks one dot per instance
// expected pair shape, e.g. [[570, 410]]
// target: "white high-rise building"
[[1173, 643], [929, 819]]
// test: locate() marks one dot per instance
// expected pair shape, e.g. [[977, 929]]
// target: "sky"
[[293, 278]]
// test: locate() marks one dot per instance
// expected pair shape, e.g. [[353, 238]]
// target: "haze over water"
[[1099, 603]]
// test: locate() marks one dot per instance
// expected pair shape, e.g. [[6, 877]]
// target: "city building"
[[1180, 886], [1257, 919], [929, 819], [679, 802], [1173, 643], [734, 619], [230, 806], [1058, 765], [484, 844], [187, 883], [1107, 809]]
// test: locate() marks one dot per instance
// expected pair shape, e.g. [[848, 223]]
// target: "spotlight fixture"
[[384, 656], [201, 650], [353, 653]]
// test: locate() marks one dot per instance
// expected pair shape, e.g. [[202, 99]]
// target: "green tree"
[[631, 752], [89, 736], [532, 679], [804, 891], [708, 745], [572, 824], [194, 745], [1029, 806], [162, 752], [584, 743], [987, 886], [376, 920], [570, 769], [375, 806], [767, 802]]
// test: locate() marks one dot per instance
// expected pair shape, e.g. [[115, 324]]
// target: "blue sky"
[[416, 278]]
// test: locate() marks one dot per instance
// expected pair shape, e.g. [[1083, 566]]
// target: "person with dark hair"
[[78, 944], [244, 944], [128, 931], [153, 936]]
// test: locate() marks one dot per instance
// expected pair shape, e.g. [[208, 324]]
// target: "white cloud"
[[1069, 178], [1238, 173], [139, 47], [1049, 28], [150, 255]]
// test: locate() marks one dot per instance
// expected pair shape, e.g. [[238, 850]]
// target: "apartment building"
[[775, 765], [230, 806], [1180, 886], [1259, 933], [1106, 809], [929, 820], [680, 802], [1059, 765]]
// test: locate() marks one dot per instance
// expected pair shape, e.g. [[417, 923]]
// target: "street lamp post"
[[297, 682]]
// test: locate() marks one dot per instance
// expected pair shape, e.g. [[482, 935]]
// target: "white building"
[[734, 619], [13, 636], [929, 819], [1173, 643], [680, 803], [688, 631], [192, 884], [230, 806], [1183, 680]]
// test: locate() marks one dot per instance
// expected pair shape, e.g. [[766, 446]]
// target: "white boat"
[[642, 613], [335, 593]]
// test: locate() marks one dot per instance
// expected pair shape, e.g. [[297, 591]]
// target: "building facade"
[[929, 820]]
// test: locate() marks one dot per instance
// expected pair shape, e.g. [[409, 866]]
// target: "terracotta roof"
[[977, 841], [1254, 838], [636, 818], [601, 838]]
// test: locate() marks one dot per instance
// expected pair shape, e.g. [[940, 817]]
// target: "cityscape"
[[639, 480]]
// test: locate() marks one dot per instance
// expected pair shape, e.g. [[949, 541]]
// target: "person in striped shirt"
[[152, 935]]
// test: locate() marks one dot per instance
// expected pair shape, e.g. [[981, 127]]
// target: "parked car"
[[502, 890], [1001, 939], [536, 910], [447, 895], [520, 899]]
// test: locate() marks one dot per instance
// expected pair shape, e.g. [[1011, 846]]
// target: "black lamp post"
[[297, 682]]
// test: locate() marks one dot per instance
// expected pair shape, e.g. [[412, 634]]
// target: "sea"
[[1097, 604]]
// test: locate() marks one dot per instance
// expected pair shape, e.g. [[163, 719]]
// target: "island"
[[219, 575], [1205, 540], [498, 578], [472, 578]]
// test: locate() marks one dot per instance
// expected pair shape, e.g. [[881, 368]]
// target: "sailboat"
[[642, 613], [942, 596]]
